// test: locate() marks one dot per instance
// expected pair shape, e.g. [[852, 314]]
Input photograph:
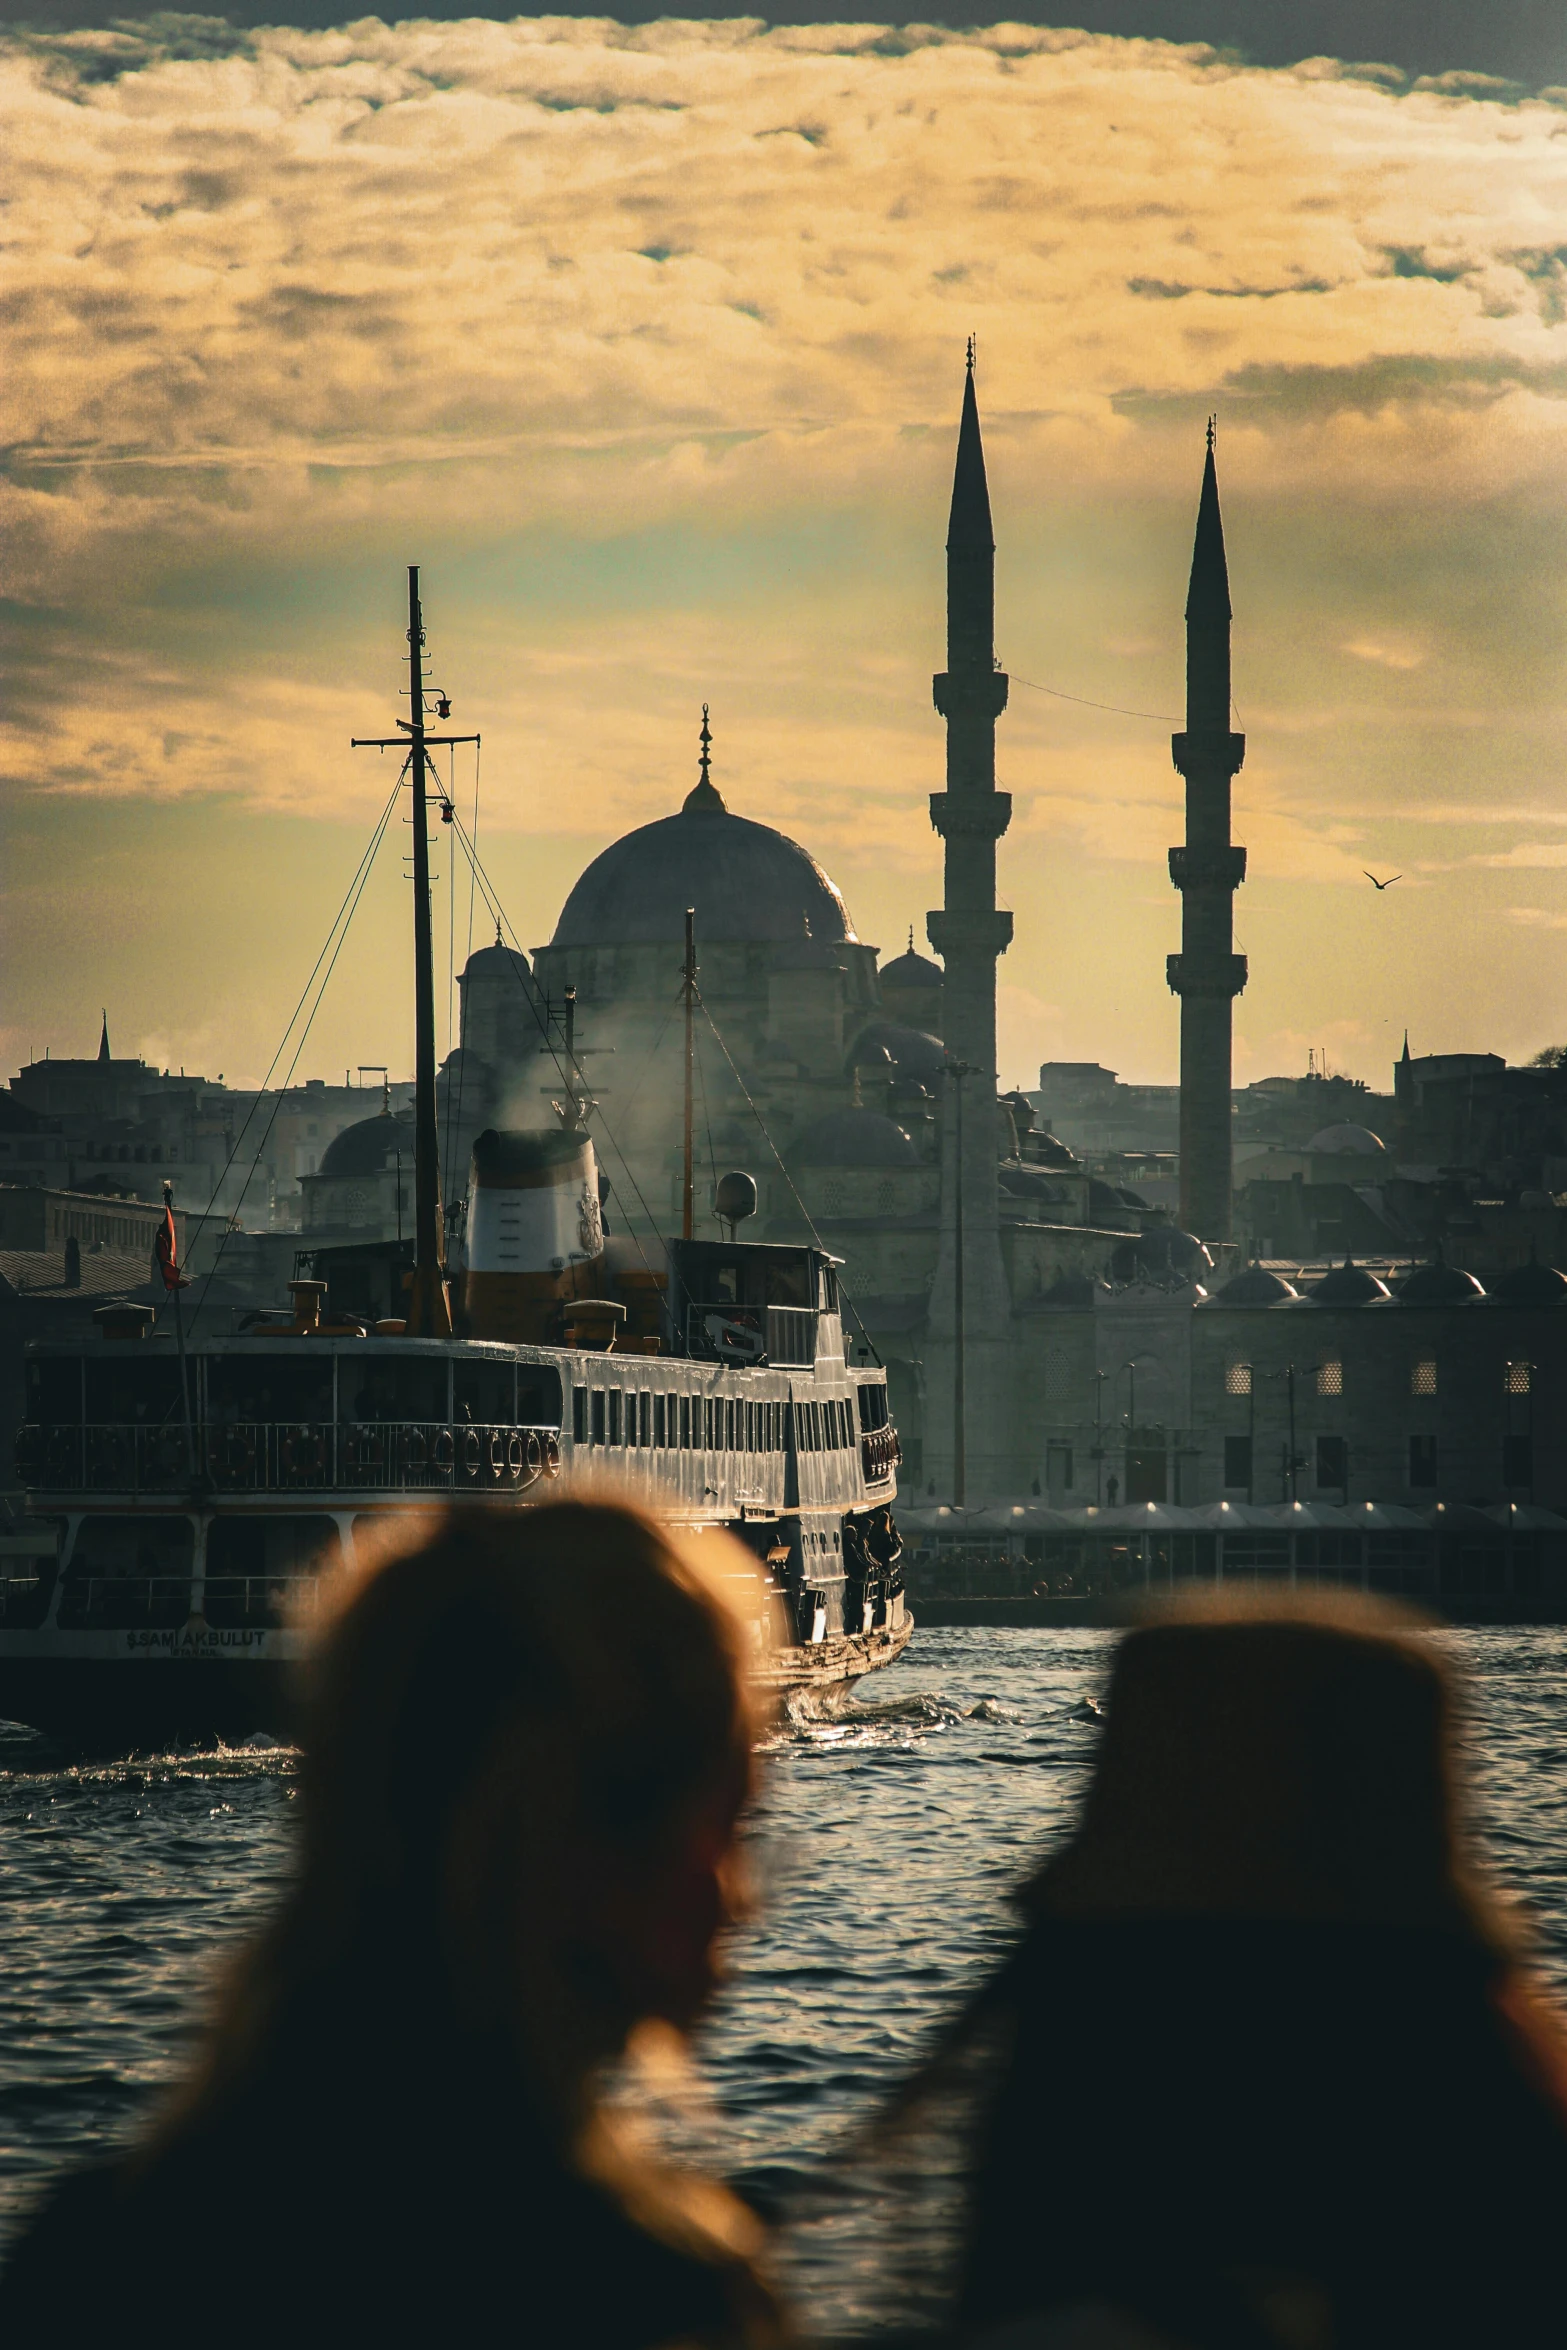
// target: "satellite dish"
[[734, 1198]]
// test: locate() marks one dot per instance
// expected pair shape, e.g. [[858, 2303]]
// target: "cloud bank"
[[648, 343]]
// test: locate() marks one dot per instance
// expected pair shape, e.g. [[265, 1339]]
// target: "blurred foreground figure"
[[1265, 2068], [527, 1747]]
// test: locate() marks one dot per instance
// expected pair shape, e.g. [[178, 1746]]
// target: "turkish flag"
[[164, 1251]]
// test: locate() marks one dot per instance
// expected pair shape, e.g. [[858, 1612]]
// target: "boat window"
[[616, 1405], [144, 1391], [579, 1415], [273, 1387], [129, 1572], [645, 1417], [482, 1393], [685, 1422], [826, 1290], [873, 1406], [660, 1420], [789, 1280], [257, 1567], [598, 1415], [538, 1395], [54, 1391], [386, 1386], [724, 1284]]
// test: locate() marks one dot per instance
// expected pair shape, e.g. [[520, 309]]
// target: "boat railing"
[[880, 1453], [266, 1456], [264, 1602], [124, 1603]]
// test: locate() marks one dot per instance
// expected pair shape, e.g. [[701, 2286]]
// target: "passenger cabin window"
[[873, 1407], [598, 1415], [143, 1392], [54, 1391], [392, 1388], [482, 1394], [296, 1386], [259, 1568], [539, 1395], [579, 1415], [616, 1406]]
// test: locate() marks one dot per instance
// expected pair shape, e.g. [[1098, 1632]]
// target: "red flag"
[[165, 1246]]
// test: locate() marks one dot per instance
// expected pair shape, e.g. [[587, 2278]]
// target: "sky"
[[646, 342]]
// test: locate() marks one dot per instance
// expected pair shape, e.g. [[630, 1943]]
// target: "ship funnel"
[[535, 1233]]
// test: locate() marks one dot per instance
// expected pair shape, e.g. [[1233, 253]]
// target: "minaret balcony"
[[954, 930], [975, 815], [980, 694], [1206, 751], [1205, 975], [1207, 868]]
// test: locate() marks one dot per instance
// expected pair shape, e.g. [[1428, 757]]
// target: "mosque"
[[1046, 1334], [860, 1094]]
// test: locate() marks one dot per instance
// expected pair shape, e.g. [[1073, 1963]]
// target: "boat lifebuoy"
[[535, 1456], [552, 1456], [239, 1452], [303, 1452], [444, 1452], [516, 1456], [472, 1451], [412, 1451], [497, 1454], [367, 1447]]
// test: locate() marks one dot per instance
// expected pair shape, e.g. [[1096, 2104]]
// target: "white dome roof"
[[1348, 1138]]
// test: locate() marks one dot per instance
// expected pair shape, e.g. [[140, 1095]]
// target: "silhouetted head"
[[1288, 1761], [527, 1743]]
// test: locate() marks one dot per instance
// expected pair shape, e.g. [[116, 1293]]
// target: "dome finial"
[[497, 930], [704, 798]]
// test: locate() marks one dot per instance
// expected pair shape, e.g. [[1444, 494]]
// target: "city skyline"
[[524, 307]]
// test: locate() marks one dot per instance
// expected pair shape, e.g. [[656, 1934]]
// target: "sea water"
[[891, 1830]]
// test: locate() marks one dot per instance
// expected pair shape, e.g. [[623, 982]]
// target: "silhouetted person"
[[527, 1747], [1265, 2066]]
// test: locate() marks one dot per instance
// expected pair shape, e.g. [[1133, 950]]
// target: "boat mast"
[[688, 992], [429, 1307]]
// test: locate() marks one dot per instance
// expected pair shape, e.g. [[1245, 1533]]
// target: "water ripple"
[[894, 1823]]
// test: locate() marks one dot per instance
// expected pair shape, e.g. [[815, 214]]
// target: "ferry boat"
[[199, 1490]]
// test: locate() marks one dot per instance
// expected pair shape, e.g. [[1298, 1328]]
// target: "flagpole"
[[179, 1335]]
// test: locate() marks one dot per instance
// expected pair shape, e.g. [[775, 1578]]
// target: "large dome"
[[368, 1147], [746, 881]]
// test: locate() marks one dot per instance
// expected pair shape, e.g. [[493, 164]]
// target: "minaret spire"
[[103, 1040], [1207, 974], [971, 1305]]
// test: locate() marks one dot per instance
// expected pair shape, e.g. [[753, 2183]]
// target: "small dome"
[[855, 1138], [912, 1053], [1050, 1151], [368, 1147], [1439, 1284], [494, 962], [1165, 1254], [1348, 1285], [1256, 1287], [1074, 1289], [1357, 1139], [1032, 1183], [911, 970], [1532, 1284]]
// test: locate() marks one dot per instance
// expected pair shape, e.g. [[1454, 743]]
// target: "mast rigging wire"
[[206, 1214], [357, 890]]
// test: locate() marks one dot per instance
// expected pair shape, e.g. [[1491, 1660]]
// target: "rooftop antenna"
[[429, 1306]]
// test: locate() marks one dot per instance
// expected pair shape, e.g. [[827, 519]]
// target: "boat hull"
[[112, 1704]]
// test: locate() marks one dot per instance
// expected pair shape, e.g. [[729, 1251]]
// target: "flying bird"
[[1392, 877]]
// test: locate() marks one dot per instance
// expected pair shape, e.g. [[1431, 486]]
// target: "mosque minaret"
[[970, 1303], [1207, 974]]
